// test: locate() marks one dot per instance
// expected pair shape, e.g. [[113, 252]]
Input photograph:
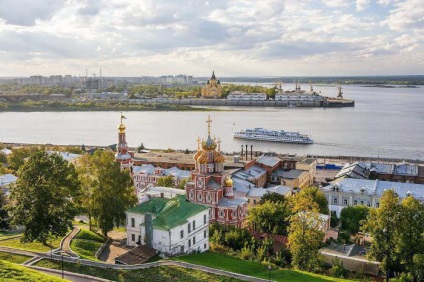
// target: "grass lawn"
[[9, 234], [13, 272], [14, 258], [86, 244], [33, 246], [162, 273], [220, 261]]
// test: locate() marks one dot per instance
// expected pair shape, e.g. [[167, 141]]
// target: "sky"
[[234, 38]]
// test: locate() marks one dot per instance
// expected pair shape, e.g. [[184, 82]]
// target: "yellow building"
[[295, 178], [213, 88], [309, 165]]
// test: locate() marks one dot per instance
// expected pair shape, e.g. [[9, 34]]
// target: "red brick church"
[[212, 186]]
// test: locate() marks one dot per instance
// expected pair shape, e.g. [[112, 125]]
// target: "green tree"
[[305, 235], [411, 233], [383, 225], [4, 215], [166, 181], [351, 218], [108, 191], [182, 184], [16, 159], [270, 217], [3, 158], [317, 196], [273, 198], [43, 197]]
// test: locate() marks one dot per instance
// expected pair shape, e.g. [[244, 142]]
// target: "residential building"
[[254, 195], [351, 192], [295, 178], [254, 174], [309, 165], [170, 226], [147, 174], [213, 187]]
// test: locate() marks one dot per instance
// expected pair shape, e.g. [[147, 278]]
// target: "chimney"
[[247, 153], [242, 152], [251, 152]]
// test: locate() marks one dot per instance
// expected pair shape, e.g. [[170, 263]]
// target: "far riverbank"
[[55, 106]]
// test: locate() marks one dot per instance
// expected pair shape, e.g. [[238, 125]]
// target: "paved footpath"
[[139, 266], [66, 242]]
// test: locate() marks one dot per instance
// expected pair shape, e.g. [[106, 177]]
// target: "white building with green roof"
[[170, 226]]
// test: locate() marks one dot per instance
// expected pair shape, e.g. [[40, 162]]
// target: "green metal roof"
[[169, 213]]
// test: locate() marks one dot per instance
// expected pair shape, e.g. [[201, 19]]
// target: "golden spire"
[[198, 143], [219, 144], [121, 127], [209, 121]]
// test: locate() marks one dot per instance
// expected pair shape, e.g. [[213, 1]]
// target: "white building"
[[244, 96], [170, 226], [148, 174], [5, 181], [352, 192]]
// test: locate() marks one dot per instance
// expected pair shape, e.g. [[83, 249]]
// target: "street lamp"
[[61, 253], [269, 273]]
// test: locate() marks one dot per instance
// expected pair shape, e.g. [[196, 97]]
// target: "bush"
[[337, 270]]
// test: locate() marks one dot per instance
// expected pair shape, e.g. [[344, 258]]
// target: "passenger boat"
[[262, 134]]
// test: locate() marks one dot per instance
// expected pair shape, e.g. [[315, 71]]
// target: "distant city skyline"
[[234, 38]]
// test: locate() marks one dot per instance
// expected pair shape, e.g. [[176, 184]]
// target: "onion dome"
[[209, 144], [197, 155], [218, 158], [228, 182], [121, 128], [203, 158]]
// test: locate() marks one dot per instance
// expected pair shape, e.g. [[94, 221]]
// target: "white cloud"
[[126, 37]]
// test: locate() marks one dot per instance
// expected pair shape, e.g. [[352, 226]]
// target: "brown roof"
[[138, 255]]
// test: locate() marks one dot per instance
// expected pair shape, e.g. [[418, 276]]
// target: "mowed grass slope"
[[157, 274], [86, 243], [13, 272], [14, 257], [33, 246], [220, 261]]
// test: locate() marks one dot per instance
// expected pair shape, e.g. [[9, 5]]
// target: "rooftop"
[[169, 213], [268, 161], [292, 174]]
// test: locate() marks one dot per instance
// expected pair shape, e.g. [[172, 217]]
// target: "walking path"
[[65, 245]]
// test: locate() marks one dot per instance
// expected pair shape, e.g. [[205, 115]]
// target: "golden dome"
[[228, 182], [203, 158], [218, 158], [197, 155], [121, 128]]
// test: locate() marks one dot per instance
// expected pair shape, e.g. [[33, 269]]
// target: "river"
[[385, 122]]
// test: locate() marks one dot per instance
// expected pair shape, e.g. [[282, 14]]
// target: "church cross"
[[209, 121], [219, 144]]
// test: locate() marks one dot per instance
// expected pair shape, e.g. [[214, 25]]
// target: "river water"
[[385, 122]]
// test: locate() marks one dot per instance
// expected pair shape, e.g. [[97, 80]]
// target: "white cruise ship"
[[262, 134]]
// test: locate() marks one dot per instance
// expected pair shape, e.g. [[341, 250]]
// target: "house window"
[[234, 213], [194, 240], [208, 198], [355, 202], [191, 195], [345, 202], [204, 219], [377, 205], [254, 202], [221, 214], [133, 237], [362, 202], [248, 201], [182, 234], [204, 234], [368, 204], [189, 243], [194, 224], [204, 246], [132, 222], [335, 201], [189, 227], [199, 197]]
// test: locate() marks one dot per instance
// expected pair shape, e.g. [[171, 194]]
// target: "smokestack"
[[251, 152], [247, 153], [242, 152]]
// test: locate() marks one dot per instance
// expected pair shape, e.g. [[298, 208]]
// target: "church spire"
[[213, 75]]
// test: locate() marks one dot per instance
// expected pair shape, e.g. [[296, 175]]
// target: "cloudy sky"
[[234, 38]]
